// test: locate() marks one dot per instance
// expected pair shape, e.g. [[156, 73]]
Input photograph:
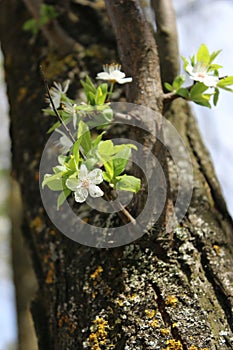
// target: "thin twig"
[[54, 108]]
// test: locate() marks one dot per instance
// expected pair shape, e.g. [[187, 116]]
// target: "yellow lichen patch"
[[171, 300], [99, 334], [204, 349], [119, 302], [97, 272], [133, 296], [175, 325], [37, 224], [173, 344], [164, 331], [154, 324], [192, 347], [51, 273], [150, 313], [217, 249]]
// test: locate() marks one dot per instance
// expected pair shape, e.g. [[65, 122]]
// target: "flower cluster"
[[86, 160], [205, 74]]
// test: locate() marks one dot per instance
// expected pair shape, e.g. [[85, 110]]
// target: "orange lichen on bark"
[[51, 273], [171, 300], [97, 272], [173, 344]]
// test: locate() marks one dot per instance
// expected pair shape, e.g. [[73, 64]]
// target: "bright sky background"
[[199, 21]]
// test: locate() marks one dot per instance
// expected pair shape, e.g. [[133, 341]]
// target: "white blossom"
[[86, 184], [57, 91], [64, 142], [112, 73], [200, 73]]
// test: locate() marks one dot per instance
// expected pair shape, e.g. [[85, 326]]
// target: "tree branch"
[[52, 31], [138, 52], [166, 38]]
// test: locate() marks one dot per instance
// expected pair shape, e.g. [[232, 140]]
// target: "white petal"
[[72, 184], [65, 85], [125, 80], [96, 176], [95, 191], [189, 69], [80, 195], [83, 172], [116, 75], [210, 81], [103, 76]]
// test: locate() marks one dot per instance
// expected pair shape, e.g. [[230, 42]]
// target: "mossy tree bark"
[[165, 291]]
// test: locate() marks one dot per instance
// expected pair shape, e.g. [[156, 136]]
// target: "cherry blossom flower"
[[86, 184], [200, 73], [112, 73], [57, 91], [64, 142]]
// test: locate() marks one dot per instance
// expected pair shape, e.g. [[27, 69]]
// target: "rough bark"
[[165, 291], [166, 37]]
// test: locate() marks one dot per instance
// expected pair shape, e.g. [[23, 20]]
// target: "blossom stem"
[[111, 90]]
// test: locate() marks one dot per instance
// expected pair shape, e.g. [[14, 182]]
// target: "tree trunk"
[[169, 289]]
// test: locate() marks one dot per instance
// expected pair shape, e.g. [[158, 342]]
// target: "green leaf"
[[97, 140], [214, 55], [128, 183], [120, 161], [216, 96], [91, 98], [203, 54], [105, 149], [54, 182], [85, 136], [62, 197], [75, 151], [62, 159], [225, 81], [109, 169], [214, 67], [168, 86], [186, 62], [197, 89], [55, 126], [178, 82], [32, 25], [183, 92], [202, 100], [100, 95]]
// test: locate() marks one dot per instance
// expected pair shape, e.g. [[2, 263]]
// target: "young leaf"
[[183, 92], [128, 183], [54, 182], [120, 161], [203, 54], [62, 197], [214, 55], [197, 89], [85, 136], [225, 81], [216, 96], [178, 82], [168, 86]]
